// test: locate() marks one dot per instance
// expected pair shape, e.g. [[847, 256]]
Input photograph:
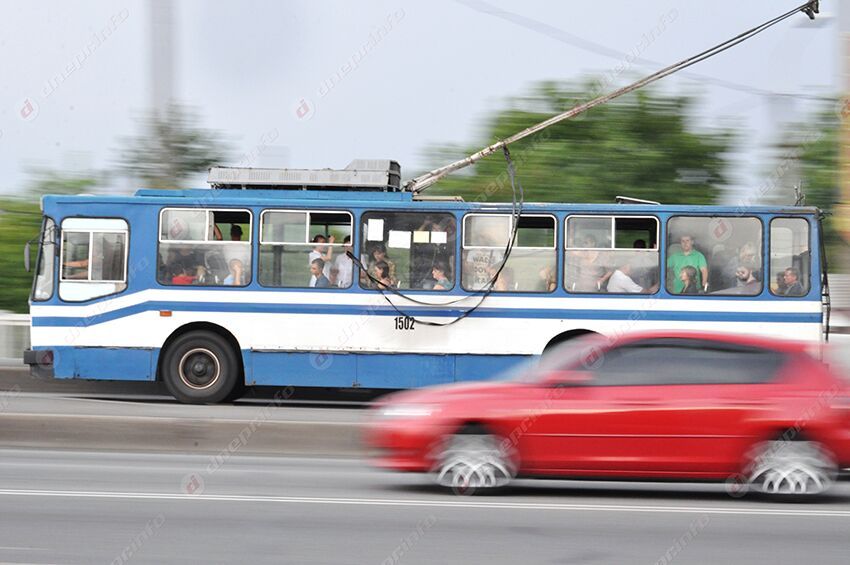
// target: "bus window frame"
[[205, 241], [615, 249], [501, 248], [206, 232], [764, 260], [363, 240], [61, 256], [306, 244], [811, 262]]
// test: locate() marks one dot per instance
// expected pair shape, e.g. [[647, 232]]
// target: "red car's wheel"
[[473, 460], [791, 468]]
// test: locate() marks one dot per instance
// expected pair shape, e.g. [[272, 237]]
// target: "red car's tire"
[[474, 461]]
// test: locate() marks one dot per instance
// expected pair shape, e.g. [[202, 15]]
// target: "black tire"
[[200, 367]]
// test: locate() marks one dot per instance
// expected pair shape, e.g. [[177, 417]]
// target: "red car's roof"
[[775, 344]]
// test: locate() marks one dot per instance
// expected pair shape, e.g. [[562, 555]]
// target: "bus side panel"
[[102, 363], [485, 367], [286, 368], [404, 370]]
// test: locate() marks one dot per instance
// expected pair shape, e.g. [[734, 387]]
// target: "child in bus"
[[688, 276]]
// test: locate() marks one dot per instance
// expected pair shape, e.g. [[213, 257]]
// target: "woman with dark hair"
[[688, 276], [382, 273], [440, 273]]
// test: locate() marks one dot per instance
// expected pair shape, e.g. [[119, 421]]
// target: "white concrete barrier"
[[14, 338]]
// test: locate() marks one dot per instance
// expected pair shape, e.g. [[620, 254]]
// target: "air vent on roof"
[[360, 174]]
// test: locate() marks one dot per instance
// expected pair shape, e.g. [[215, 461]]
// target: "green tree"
[[171, 148], [642, 145], [818, 150], [19, 221]]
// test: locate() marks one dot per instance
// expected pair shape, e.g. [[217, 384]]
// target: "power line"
[[422, 182], [590, 46]]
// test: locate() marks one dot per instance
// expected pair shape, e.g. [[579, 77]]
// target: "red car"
[[759, 414]]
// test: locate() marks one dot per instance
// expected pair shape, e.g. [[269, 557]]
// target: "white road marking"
[[742, 510]]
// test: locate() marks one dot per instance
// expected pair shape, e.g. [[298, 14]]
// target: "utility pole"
[[161, 55]]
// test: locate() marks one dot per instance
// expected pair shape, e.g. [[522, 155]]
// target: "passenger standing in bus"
[[323, 252], [344, 265], [318, 280], [687, 257]]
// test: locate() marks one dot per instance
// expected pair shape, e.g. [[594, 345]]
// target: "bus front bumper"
[[40, 362]]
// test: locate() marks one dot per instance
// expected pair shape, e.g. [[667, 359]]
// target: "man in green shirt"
[[687, 257]]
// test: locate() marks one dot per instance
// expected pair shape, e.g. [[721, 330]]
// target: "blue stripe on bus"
[[541, 313]]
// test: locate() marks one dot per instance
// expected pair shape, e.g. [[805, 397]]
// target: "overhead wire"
[[426, 180]]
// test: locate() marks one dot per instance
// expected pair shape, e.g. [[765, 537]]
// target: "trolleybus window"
[[300, 248], [204, 247], [408, 250], [790, 257], [532, 265], [611, 254], [43, 288], [94, 258], [714, 255]]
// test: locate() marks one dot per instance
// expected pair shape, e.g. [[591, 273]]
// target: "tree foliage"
[[20, 221], [171, 148], [819, 155], [642, 146]]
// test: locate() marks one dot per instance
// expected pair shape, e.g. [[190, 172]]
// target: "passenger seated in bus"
[[793, 286], [505, 281], [591, 272], [440, 274], [621, 281], [318, 278], [323, 252], [235, 276], [378, 254], [745, 275], [639, 244], [235, 232], [548, 279], [381, 271], [688, 278], [746, 256], [688, 256], [183, 276]]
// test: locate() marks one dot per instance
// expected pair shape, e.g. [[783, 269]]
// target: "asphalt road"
[[95, 507]]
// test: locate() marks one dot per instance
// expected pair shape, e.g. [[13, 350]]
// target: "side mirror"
[[568, 378], [27, 257]]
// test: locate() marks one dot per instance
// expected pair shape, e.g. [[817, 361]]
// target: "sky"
[[313, 84]]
